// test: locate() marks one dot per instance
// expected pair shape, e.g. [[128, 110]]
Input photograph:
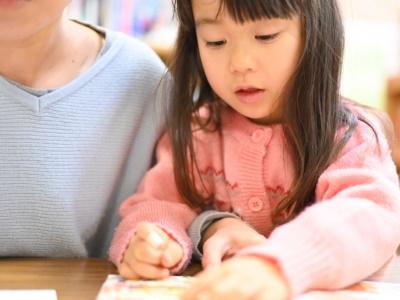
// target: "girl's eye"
[[267, 37], [216, 43]]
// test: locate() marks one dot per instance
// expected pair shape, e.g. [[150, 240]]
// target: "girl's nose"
[[241, 61]]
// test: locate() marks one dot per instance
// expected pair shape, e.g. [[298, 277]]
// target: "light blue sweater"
[[69, 157]]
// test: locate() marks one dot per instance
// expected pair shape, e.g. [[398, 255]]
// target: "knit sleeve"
[[158, 201], [201, 223], [352, 230]]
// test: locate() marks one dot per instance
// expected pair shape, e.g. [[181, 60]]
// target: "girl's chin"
[[265, 120]]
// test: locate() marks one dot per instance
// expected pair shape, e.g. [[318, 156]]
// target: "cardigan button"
[[257, 136], [255, 204], [261, 135]]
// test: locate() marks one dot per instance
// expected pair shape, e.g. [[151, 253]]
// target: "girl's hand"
[[240, 278], [225, 237], [151, 254]]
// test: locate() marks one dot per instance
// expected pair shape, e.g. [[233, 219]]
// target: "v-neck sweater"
[[68, 157]]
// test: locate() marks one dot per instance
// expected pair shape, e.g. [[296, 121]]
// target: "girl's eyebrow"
[[206, 21]]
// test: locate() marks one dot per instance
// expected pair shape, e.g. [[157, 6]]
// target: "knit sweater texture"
[[68, 157], [350, 232]]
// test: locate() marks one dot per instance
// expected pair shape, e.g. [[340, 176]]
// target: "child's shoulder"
[[129, 43], [135, 49], [127, 53], [367, 147], [373, 130], [370, 121]]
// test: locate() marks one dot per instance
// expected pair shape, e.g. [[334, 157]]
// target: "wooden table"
[[73, 279], [76, 279]]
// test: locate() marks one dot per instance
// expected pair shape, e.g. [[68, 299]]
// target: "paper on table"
[[28, 295], [117, 288]]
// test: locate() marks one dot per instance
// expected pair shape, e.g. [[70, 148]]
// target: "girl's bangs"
[[243, 10]]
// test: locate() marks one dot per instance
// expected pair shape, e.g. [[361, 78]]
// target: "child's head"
[[21, 19], [274, 40], [272, 61], [242, 56]]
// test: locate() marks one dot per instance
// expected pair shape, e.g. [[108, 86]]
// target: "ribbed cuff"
[[201, 223], [119, 245], [306, 260]]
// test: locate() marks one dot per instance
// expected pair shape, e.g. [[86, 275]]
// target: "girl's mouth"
[[11, 3], [250, 95]]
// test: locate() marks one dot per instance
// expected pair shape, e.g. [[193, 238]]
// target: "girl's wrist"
[[215, 226]]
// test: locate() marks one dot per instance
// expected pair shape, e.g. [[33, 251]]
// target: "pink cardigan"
[[351, 231]]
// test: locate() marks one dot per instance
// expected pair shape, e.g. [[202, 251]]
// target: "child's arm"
[[240, 278], [201, 224], [353, 229], [223, 234], [157, 201], [224, 238]]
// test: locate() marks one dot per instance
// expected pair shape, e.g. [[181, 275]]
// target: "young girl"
[[269, 139], [78, 121]]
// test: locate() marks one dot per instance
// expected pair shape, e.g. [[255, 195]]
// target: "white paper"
[[28, 295]]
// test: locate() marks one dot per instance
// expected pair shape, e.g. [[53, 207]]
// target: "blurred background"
[[372, 36], [372, 51]]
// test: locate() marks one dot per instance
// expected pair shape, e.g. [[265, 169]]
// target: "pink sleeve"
[[352, 230], [157, 201]]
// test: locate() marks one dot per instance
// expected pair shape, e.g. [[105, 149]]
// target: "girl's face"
[[249, 64], [21, 19]]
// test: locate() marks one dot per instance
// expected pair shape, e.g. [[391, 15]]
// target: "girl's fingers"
[[152, 234], [214, 249], [198, 290], [133, 268], [126, 272], [267, 295], [147, 271], [146, 249], [272, 294], [231, 288], [145, 253], [225, 284], [246, 278], [172, 255]]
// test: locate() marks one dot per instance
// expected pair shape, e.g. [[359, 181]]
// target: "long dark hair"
[[313, 112]]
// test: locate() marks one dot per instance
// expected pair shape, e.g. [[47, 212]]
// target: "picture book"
[[117, 288]]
